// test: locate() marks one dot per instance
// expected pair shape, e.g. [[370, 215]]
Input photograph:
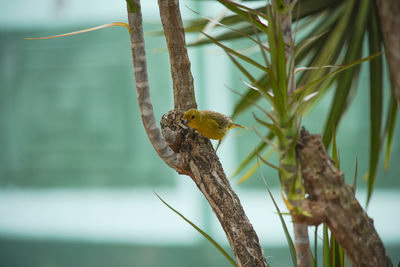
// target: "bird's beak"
[[185, 122]]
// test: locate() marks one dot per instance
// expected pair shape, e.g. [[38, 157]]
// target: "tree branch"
[[201, 162], [187, 151], [337, 205], [206, 171], [182, 78], [142, 86]]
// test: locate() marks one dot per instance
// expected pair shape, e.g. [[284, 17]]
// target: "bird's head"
[[192, 118]]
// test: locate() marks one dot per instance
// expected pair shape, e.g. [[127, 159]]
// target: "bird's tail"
[[235, 125]]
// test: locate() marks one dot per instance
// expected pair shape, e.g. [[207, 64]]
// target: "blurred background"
[[78, 174]]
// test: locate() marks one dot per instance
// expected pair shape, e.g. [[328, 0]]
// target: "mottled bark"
[[188, 152], [204, 167], [389, 14], [142, 86], [179, 61], [332, 201]]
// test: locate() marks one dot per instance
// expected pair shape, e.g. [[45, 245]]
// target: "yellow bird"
[[209, 124]]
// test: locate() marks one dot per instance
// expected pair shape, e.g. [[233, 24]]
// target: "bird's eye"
[[192, 116]]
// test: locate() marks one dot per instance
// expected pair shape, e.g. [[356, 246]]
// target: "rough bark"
[[332, 201], [204, 167], [182, 79], [188, 152], [389, 14]]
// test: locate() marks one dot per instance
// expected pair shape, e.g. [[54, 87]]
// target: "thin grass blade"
[[245, 14], [389, 129], [355, 177], [239, 33], [209, 238], [376, 99], [235, 53], [335, 152], [272, 127], [249, 173], [315, 262], [113, 24], [325, 247], [289, 240], [250, 97], [253, 154], [269, 163]]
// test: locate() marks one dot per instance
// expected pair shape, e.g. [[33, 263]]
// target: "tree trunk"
[[184, 149], [333, 202]]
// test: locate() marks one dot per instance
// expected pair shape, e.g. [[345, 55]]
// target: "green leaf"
[[261, 93], [333, 250], [337, 256], [307, 8], [289, 240], [376, 99], [277, 73], [312, 7], [329, 47], [226, 36], [389, 129], [235, 53], [278, 132], [209, 238], [199, 24], [335, 152], [232, 33], [323, 83], [255, 167], [325, 247], [261, 46], [345, 80], [243, 70], [316, 42], [341, 255], [269, 163], [245, 102], [253, 154], [266, 140], [308, 42], [315, 262], [237, 9], [355, 177], [260, 88]]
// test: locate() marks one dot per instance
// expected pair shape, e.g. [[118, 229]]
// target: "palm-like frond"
[[335, 33]]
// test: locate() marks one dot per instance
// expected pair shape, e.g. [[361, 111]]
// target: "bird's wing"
[[220, 119]]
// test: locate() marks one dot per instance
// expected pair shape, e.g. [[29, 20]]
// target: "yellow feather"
[[210, 124]]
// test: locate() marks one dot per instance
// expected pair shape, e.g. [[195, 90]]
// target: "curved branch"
[[142, 87], [196, 156]]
